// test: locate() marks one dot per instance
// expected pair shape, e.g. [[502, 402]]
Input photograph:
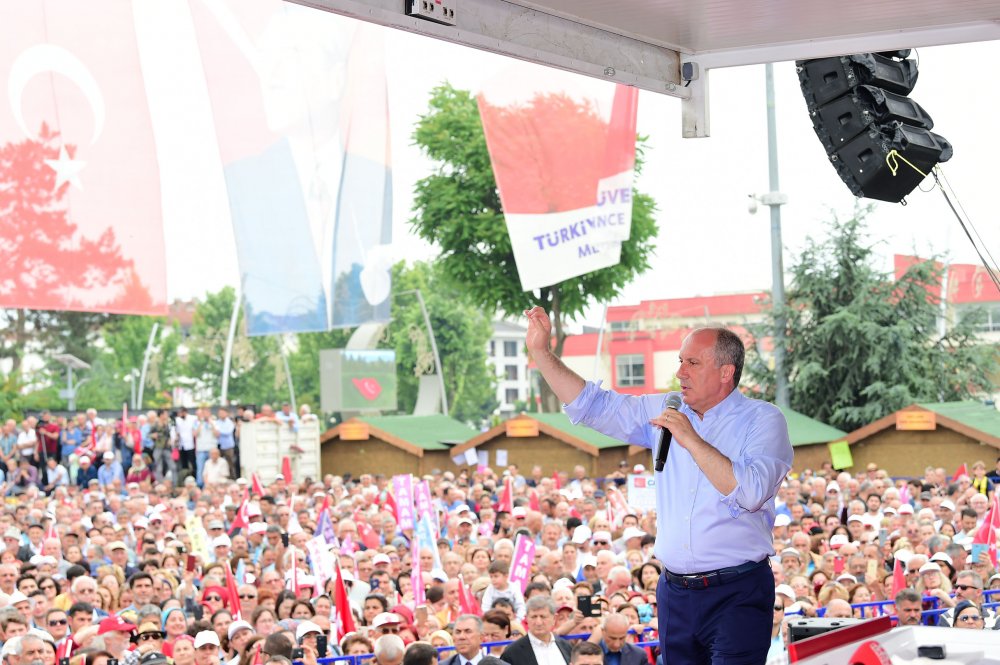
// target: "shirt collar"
[[732, 401], [537, 642]]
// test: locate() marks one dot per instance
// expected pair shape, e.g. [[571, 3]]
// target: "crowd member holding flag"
[[715, 497]]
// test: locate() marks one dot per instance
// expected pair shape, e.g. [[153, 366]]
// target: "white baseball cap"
[[205, 638], [305, 628], [782, 519], [581, 534], [785, 590], [838, 540], [631, 532], [385, 619], [237, 626]]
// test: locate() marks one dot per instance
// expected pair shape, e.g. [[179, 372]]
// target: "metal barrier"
[[358, 660], [879, 604]]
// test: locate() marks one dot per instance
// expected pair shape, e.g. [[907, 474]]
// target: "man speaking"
[[715, 496]]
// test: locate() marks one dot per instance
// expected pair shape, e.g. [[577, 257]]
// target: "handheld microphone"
[[673, 402]]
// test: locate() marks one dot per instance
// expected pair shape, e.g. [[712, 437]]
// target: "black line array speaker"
[[861, 113]]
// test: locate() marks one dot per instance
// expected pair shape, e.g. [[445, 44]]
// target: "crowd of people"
[[189, 563]]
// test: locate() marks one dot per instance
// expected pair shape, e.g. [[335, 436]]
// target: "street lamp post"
[[774, 199], [71, 362]]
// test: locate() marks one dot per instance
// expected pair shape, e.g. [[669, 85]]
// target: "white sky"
[[708, 242]]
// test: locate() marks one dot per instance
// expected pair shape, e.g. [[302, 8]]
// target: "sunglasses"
[[213, 597], [395, 630], [150, 636], [58, 622], [46, 587], [601, 542], [970, 618], [966, 587], [248, 596]]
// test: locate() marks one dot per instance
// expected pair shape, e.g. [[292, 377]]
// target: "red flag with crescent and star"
[[80, 201]]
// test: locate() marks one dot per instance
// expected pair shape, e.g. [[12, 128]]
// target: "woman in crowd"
[[183, 650], [356, 644], [647, 576], [264, 620], [174, 623]]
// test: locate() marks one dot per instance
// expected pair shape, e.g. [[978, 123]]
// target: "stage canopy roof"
[[646, 43]]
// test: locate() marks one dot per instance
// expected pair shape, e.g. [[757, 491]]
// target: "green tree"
[[862, 344], [121, 355], [257, 374], [461, 331], [458, 208]]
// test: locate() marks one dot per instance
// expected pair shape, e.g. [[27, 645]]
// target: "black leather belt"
[[714, 577]]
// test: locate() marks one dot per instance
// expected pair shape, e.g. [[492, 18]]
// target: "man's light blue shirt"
[[698, 528]]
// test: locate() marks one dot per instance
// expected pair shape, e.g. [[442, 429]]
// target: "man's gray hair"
[[540, 602], [28, 637], [471, 617], [976, 578], [389, 647]]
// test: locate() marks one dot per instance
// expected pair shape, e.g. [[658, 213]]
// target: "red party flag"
[[534, 505], [898, 577], [367, 535], [987, 533], [242, 519], [345, 620], [65, 649], [467, 600], [286, 469], [234, 594], [506, 503], [555, 479], [390, 502], [960, 471], [257, 660], [255, 483]]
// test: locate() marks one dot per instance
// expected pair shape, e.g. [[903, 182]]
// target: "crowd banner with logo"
[[402, 490], [80, 205], [562, 148], [301, 115], [520, 567]]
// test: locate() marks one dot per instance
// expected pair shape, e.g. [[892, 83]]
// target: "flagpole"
[[145, 362], [227, 359]]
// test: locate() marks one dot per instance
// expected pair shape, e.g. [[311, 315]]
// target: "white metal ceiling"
[[704, 26]]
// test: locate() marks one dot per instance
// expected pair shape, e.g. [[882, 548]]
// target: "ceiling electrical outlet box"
[[439, 11]]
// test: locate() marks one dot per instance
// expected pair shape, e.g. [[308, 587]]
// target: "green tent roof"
[[977, 415], [427, 432], [803, 430], [560, 421]]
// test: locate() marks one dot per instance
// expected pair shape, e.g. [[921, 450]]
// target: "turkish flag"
[[960, 471], [898, 577], [234, 594], [258, 489], [80, 205], [506, 502], [286, 469], [345, 620], [987, 533], [242, 519]]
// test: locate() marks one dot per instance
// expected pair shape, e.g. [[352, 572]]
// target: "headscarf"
[[222, 591], [165, 614]]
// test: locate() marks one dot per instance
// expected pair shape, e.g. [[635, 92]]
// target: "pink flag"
[[402, 489], [520, 565], [79, 180], [416, 576]]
